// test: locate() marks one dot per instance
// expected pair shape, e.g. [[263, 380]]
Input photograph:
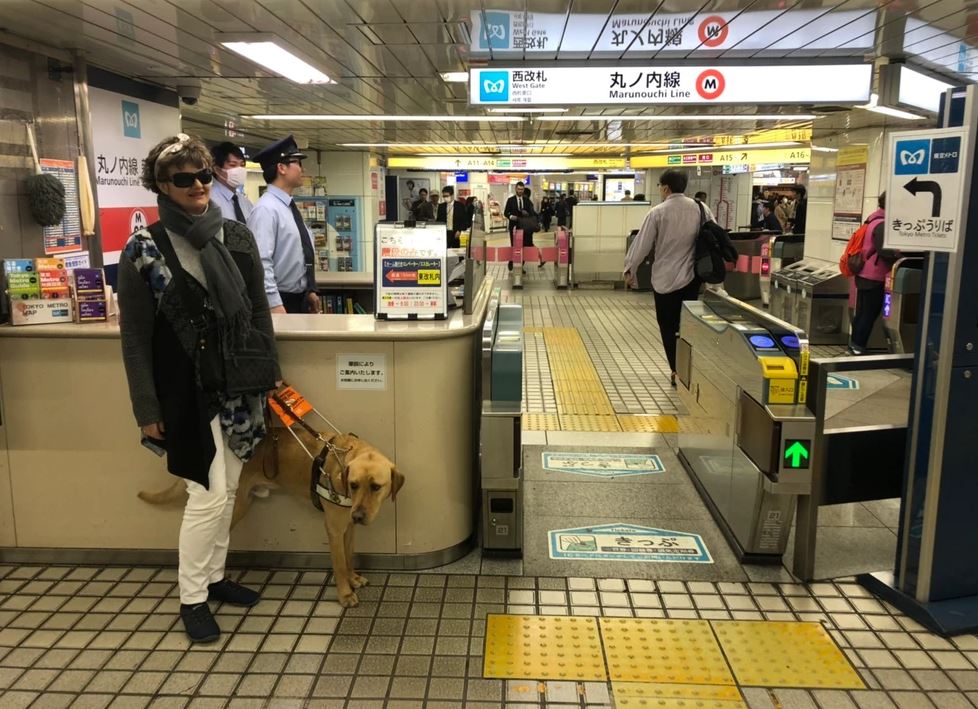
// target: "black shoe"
[[510, 266], [542, 264], [227, 591], [199, 623], [672, 380]]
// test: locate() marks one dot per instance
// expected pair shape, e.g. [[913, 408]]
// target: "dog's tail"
[[174, 493]]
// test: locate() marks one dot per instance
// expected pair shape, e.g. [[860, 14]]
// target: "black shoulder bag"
[[249, 369]]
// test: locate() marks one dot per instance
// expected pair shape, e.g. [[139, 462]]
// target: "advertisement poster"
[[410, 273], [850, 186], [407, 192], [65, 236], [343, 214], [124, 130]]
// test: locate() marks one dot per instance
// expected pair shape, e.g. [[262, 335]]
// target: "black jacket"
[[512, 208], [424, 211], [461, 220]]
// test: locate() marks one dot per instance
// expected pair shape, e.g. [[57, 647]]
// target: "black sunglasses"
[[184, 180]]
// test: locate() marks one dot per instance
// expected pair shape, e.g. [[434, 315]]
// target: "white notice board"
[[409, 279], [928, 171]]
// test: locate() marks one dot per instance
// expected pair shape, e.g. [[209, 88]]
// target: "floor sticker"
[[604, 465], [837, 381], [626, 542]]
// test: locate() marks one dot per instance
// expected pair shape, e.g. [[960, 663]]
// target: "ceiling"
[[387, 57]]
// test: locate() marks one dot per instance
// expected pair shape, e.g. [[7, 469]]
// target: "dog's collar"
[[327, 491]]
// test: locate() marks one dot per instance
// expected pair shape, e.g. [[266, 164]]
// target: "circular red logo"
[[713, 31], [710, 84]]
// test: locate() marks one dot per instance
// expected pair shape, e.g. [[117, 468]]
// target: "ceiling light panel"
[[269, 54]]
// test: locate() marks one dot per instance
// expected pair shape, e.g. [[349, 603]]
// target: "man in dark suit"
[[518, 207], [454, 215]]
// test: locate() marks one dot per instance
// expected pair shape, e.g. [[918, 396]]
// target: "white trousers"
[[206, 527]]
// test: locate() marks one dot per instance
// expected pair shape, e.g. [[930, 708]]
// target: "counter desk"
[[71, 463]]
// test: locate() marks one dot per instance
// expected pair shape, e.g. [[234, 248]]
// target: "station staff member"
[[229, 169], [284, 243], [454, 215]]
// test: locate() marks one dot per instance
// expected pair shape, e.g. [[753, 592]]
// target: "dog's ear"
[[345, 479], [397, 482]]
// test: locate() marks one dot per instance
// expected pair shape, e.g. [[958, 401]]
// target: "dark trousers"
[[668, 309], [452, 239], [869, 305], [294, 303]]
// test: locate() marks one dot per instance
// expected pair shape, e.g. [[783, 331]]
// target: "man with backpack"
[[668, 237], [868, 263]]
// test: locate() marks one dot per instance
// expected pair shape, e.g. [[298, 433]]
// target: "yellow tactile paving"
[[648, 424], [541, 422], [543, 648], [774, 654], [669, 651], [681, 696], [578, 422], [577, 384]]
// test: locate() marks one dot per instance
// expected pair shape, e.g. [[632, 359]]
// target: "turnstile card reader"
[[747, 442]]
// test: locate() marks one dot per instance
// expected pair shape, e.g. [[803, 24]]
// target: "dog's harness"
[[320, 484]]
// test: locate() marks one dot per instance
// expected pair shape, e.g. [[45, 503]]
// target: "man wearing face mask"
[[229, 169], [453, 214]]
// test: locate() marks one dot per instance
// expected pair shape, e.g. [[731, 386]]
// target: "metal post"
[[83, 117]]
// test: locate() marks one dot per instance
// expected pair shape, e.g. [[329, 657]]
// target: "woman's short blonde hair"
[[179, 149]]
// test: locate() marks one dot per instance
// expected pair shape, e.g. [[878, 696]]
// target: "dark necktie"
[[238, 214], [308, 254], [519, 201]]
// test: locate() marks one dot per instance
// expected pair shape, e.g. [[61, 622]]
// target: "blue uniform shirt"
[[221, 196], [279, 245]]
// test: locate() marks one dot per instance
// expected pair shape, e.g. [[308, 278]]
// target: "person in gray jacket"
[[193, 254]]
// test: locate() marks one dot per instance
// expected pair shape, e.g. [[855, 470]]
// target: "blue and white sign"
[[837, 381], [928, 171], [626, 542], [604, 465], [130, 120]]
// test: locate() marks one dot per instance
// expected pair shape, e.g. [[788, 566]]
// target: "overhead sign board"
[[670, 85], [488, 163], [501, 31], [706, 157], [627, 542], [410, 271], [926, 189]]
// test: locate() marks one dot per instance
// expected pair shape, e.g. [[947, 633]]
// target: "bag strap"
[[194, 304], [703, 219]]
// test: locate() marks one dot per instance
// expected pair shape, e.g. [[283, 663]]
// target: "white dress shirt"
[[221, 195]]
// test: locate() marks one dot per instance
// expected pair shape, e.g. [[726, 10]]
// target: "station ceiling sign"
[[488, 163], [675, 85], [798, 155], [501, 31]]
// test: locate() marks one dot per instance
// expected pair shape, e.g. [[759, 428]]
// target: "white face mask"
[[236, 176]]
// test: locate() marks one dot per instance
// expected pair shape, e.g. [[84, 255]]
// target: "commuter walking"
[[230, 174], [546, 213], [571, 203], [519, 212], [561, 211], [769, 222], [189, 275], [283, 237], [422, 209], [627, 197], [800, 219], [454, 214], [870, 280], [668, 238], [701, 197], [784, 212]]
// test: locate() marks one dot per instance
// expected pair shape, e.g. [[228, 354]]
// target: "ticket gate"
[[781, 251], [742, 281], [562, 241], [500, 453], [901, 305], [517, 256], [747, 442], [813, 296]]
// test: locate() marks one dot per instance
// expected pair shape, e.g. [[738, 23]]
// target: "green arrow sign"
[[796, 453]]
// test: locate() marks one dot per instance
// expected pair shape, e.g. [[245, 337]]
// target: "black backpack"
[[713, 250]]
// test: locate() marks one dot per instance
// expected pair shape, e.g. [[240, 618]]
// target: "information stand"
[[409, 279]]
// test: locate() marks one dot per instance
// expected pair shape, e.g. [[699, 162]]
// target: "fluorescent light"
[[277, 60], [683, 117], [874, 106], [820, 149], [386, 118], [564, 145], [527, 110], [455, 77]]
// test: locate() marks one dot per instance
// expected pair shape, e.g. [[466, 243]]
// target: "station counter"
[[71, 463]]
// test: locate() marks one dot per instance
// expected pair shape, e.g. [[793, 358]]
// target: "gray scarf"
[[225, 286]]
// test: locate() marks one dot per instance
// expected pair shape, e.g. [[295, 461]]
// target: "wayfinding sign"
[[927, 177], [410, 271]]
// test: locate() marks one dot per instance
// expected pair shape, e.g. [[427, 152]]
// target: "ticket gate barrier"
[[747, 441], [813, 296], [500, 444], [516, 254], [742, 280], [781, 251], [643, 273], [562, 240], [901, 305]]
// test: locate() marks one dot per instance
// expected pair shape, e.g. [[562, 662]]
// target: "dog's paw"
[[349, 600], [358, 581]]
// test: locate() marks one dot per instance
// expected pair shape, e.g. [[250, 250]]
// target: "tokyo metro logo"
[[130, 120], [495, 30], [494, 86], [713, 31], [710, 84]]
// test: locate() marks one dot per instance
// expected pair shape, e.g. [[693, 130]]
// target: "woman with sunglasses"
[[194, 273]]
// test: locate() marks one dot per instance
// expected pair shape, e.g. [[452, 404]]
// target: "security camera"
[[189, 91]]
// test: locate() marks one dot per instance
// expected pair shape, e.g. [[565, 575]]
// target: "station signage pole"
[[932, 205]]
